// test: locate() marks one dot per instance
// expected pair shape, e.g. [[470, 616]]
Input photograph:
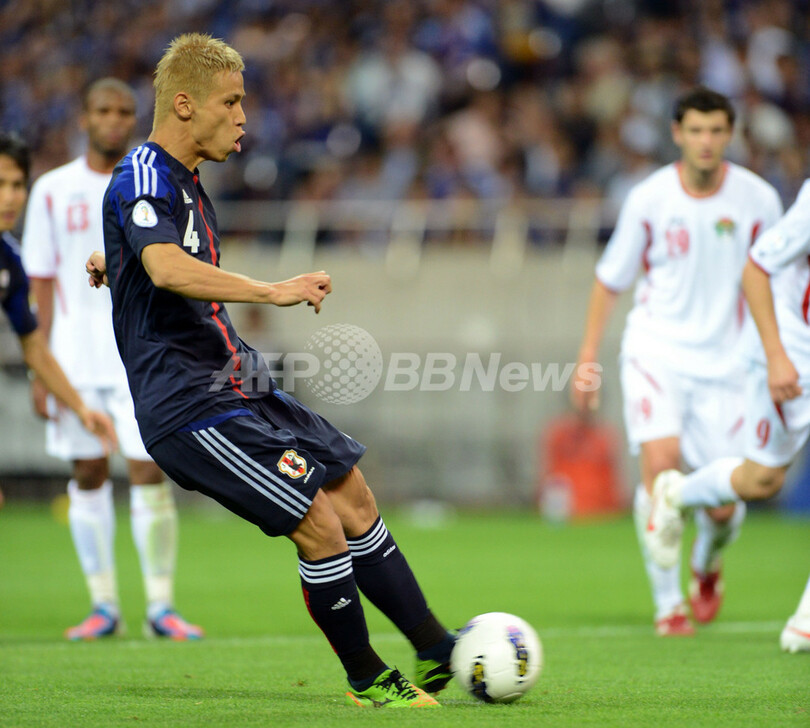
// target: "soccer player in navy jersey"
[[14, 290], [260, 453]]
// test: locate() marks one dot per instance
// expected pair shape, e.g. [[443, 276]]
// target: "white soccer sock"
[[154, 529], [92, 524], [709, 486], [713, 537], [803, 610], [664, 583]]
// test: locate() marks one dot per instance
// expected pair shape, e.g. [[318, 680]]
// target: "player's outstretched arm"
[[39, 358], [172, 269], [601, 305], [783, 379]]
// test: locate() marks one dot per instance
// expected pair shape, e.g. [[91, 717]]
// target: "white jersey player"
[[63, 226], [687, 228], [776, 282]]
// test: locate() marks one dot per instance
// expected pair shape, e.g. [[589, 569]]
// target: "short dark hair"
[[106, 84], [705, 100], [11, 145]]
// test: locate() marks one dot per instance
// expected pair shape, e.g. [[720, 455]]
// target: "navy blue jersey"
[[182, 356], [14, 287]]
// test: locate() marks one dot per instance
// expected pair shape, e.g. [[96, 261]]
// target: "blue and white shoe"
[[101, 622], [170, 625]]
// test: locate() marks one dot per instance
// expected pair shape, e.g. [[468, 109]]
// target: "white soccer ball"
[[497, 657]]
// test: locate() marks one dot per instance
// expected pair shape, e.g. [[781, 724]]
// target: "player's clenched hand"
[[783, 379], [310, 287], [101, 426], [96, 267]]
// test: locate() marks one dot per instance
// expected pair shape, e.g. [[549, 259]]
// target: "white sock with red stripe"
[[154, 529], [709, 486], [712, 537], [664, 583], [92, 524]]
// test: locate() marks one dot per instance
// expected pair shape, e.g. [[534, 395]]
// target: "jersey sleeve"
[[788, 239], [143, 200], [619, 265], [16, 304], [39, 253]]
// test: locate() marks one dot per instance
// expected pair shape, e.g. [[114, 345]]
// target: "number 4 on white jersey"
[[191, 240]]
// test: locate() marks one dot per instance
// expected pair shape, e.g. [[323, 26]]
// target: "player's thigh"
[[652, 401], [773, 435], [335, 450], [118, 402], [65, 436], [714, 421], [253, 470]]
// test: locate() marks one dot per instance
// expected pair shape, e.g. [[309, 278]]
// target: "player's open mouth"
[[237, 145]]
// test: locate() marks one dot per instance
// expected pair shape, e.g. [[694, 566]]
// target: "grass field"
[[265, 663]]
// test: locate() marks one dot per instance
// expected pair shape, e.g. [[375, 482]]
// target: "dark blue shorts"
[[264, 461]]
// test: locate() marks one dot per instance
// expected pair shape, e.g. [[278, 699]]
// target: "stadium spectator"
[[420, 63], [62, 227]]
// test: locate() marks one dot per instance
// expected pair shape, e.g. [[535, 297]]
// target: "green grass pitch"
[[264, 663]]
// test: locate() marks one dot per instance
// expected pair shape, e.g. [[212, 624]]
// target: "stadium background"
[[455, 165]]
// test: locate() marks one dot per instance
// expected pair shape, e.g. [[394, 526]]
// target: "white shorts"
[[65, 437], [706, 414], [773, 435]]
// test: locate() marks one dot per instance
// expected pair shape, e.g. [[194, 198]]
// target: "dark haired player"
[[14, 291], [687, 229]]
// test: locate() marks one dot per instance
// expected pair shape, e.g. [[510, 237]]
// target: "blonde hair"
[[189, 64]]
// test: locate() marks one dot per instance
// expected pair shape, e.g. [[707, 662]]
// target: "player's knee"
[[90, 474], [768, 481], [144, 472], [723, 514], [762, 482]]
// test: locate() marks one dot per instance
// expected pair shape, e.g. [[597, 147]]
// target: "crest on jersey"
[[144, 215], [5, 282], [292, 464], [725, 226]]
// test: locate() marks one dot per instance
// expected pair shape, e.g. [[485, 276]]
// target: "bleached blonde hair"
[[189, 64]]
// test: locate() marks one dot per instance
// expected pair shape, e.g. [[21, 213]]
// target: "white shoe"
[[795, 636], [664, 529]]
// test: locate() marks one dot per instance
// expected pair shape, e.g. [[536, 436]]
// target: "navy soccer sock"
[[331, 597], [383, 575]]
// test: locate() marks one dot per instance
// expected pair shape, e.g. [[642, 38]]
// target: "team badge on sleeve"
[[292, 464], [144, 215]]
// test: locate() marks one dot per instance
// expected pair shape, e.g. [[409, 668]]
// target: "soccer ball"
[[497, 657]]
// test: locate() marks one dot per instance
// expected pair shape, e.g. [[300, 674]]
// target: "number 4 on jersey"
[[191, 240]]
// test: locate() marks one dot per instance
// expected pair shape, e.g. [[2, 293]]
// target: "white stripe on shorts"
[[244, 472]]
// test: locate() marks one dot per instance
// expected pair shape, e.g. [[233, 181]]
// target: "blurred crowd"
[[434, 99]]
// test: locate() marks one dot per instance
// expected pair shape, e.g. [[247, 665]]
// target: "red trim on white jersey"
[[644, 373], [645, 255], [755, 231], [806, 298], [704, 195]]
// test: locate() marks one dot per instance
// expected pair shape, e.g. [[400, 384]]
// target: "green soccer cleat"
[[432, 676], [391, 690]]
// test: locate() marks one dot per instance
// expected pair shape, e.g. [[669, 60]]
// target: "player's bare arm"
[[172, 269], [39, 358], [783, 379], [600, 306], [42, 288]]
